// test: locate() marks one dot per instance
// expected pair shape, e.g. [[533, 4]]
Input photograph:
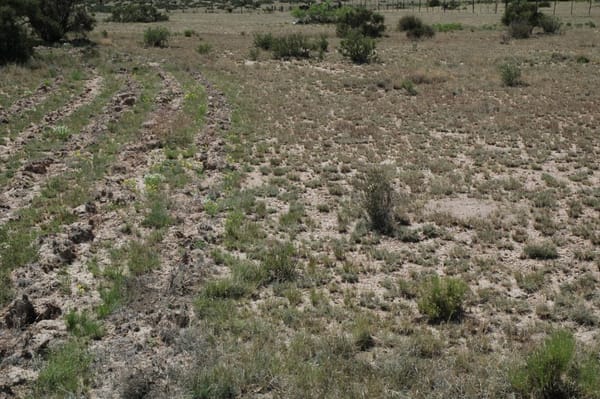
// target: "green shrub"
[[415, 28], [520, 29], [204, 48], [409, 86], [521, 11], [317, 13], [15, 43], [544, 250], [189, 33], [279, 263], [294, 45], [378, 200], [510, 74], [550, 24], [264, 40], [137, 12], [52, 19], [358, 48], [366, 22], [545, 374], [157, 37], [442, 298]]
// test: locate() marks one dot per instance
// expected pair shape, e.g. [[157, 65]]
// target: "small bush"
[[545, 374], [318, 13], [415, 28], [204, 48], [157, 37], [550, 24], [544, 250], [278, 263], [295, 45], [189, 33], [409, 86], [442, 298], [378, 200], [520, 29], [137, 12], [264, 40], [510, 74], [367, 22], [358, 48]]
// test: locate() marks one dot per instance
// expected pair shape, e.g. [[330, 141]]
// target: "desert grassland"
[[296, 295]]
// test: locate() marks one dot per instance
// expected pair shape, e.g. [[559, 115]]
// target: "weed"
[[442, 298], [157, 37], [264, 41], [82, 325], [541, 250], [378, 200], [66, 371], [510, 74], [204, 48], [279, 263]]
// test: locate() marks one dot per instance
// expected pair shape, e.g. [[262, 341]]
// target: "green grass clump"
[[279, 263], [553, 370], [449, 27], [66, 371], [442, 298], [264, 41], [82, 325], [378, 200], [543, 250]]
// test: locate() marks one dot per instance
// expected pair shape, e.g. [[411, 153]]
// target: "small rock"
[[50, 312], [80, 232], [129, 101]]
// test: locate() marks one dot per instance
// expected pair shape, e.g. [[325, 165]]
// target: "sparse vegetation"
[[510, 74], [136, 12]]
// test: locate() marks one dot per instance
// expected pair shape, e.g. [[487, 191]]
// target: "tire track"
[[40, 282], [164, 305], [31, 177], [92, 88]]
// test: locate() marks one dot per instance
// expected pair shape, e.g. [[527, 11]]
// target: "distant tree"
[[53, 19], [15, 43]]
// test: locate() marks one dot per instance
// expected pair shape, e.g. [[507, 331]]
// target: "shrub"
[[204, 48], [378, 200], [510, 74], [544, 250], [359, 48], [15, 43], [415, 28], [550, 24], [520, 29], [545, 374], [295, 45], [278, 263], [157, 37], [521, 11], [264, 40], [367, 22], [442, 298], [318, 13], [409, 22], [52, 19], [137, 12]]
